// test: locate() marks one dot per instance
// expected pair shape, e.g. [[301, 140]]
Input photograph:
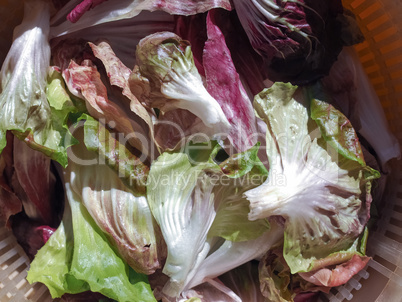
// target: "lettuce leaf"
[[119, 213], [85, 82], [299, 40], [323, 196], [32, 105], [78, 257], [110, 11], [223, 83], [243, 171], [278, 284], [119, 75], [179, 196], [202, 213], [10, 204], [118, 156], [167, 62]]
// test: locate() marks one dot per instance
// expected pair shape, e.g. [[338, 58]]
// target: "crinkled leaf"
[[243, 172], [337, 131], [322, 203], [119, 76], [111, 181], [339, 267], [299, 40], [274, 277], [339, 275], [119, 213], [86, 80], [78, 257], [180, 199], [167, 61], [240, 164], [62, 106], [33, 104], [278, 284], [118, 156]]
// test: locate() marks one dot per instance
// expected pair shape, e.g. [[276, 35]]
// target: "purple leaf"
[[299, 40], [81, 9], [10, 204], [35, 178], [223, 83]]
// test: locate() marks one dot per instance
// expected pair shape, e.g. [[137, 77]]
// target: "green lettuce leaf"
[[110, 181], [339, 133], [78, 257], [278, 284], [118, 156], [243, 163], [198, 204], [243, 172], [126, 218], [34, 103], [179, 195], [275, 277]]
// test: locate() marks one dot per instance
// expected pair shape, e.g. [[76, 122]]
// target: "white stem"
[[224, 289]]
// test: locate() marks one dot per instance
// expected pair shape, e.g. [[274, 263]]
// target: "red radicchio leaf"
[[81, 9], [299, 40], [193, 29], [119, 75], [86, 80], [339, 275], [30, 234], [63, 51], [10, 204], [173, 7], [46, 232], [33, 171], [306, 297], [248, 63], [223, 83], [173, 127]]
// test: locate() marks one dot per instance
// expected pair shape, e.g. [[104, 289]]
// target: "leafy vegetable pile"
[[161, 150]]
